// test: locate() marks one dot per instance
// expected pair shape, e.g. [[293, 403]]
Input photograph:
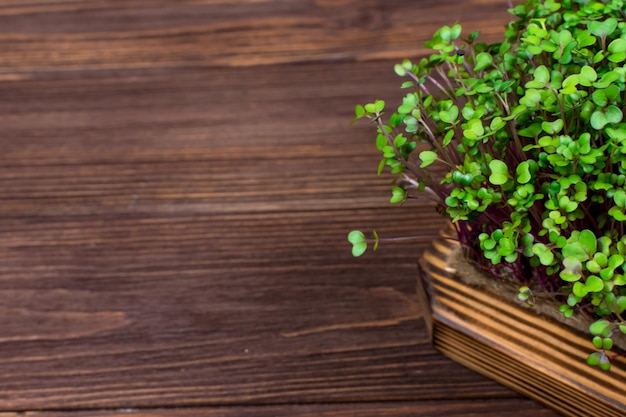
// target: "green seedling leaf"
[[506, 247], [359, 243], [399, 70], [617, 213], [620, 198], [618, 134], [455, 31], [546, 257], [589, 242], [602, 28], [594, 284], [566, 310], [359, 111], [594, 359], [598, 120], [398, 195], [569, 84], [475, 129], [448, 138], [599, 327], [579, 289], [499, 172], [599, 98], [598, 342], [542, 75], [552, 128], [531, 98], [427, 158], [523, 172], [607, 79], [613, 114], [496, 124], [572, 269], [621, 304], [483, 60], [449, 116], [587, 76], [617, 46]]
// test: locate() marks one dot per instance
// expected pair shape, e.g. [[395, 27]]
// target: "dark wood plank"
[[173, 218], [493, 407], [156, 251], [104, 34]]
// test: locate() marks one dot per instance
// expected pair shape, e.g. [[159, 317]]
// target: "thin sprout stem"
[[412, 239]]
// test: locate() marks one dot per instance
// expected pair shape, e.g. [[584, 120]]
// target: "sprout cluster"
[[531, 139]]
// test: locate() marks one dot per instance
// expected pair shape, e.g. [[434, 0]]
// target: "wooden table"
[[177, 179]]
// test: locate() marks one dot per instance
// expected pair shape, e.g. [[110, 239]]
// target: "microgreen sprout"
[[530, 132]]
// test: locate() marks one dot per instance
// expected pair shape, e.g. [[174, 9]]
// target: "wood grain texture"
[[472, 322], [109, 34], [146, 269], [173, 220], [459, 408]]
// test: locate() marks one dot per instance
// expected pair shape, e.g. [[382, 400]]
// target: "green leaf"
[[606, 79], [616, 133], [594, 284], [552, 128], [545, 255], [542, 75], [449, 116], [398, 195], [566, 310], [531, 98], [599, 98], [376, 240], [475, 129], [617, 46], [359, 243], [499, 172], [572, 269], [587, 76], [399, 70], [455, 31], [569, 84], [448, 138], [496, 124], [523, 172], [613, 114], [620, 198], [617, 213], [579, 290], [427, 158], [359, 111], [617, 57], [506, 247], [589, 242], [599, 327], [594, 359], [483, 60], [598, 120], [603, 28], [598, 342]]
